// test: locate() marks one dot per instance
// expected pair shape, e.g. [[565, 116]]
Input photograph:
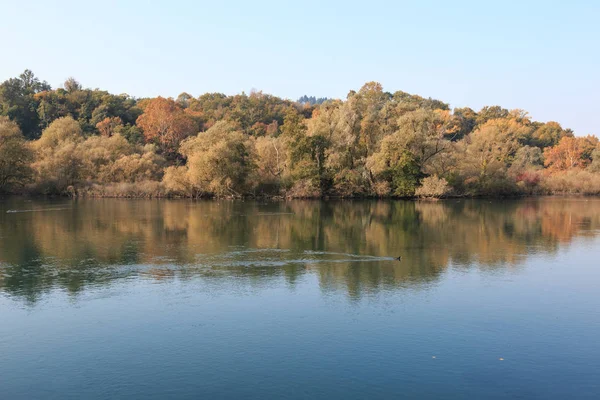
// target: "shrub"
[[573, 181], [304, 188], [433, 187], [177, 182], [144, 189], [528, 181]]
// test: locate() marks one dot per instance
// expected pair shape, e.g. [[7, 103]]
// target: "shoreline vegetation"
[[79, 142]]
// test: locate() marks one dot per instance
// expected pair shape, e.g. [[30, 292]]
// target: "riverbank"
[[570, 183], [137, 194]]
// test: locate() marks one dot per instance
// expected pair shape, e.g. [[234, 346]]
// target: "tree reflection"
[[347, 245]]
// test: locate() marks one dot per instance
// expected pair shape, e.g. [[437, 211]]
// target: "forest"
[[75, 141]]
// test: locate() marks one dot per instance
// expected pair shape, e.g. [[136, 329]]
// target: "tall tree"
[[165, 123], [17, 101]]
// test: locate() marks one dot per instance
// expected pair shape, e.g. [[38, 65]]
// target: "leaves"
[[570, 152], [165, 123], [15, 156], [220, 161], [373, 143]]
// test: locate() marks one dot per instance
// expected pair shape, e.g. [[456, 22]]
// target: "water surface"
[[304, 299]]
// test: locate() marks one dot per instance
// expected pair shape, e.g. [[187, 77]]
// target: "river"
[[107, 298]]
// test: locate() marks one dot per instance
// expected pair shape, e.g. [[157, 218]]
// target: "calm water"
[[176, 299]]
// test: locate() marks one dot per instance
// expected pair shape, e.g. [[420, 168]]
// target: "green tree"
[[18, 102], [306, 154], [72, 85], [548, 135], [462, 123], [527, 157], [488, 113], [394, 168]]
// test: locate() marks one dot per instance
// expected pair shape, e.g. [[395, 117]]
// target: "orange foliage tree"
[[165, 123], [107, 126], [570, 152]]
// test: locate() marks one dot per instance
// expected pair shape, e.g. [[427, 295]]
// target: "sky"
[[540, 56]]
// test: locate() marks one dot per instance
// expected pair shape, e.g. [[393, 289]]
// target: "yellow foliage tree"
[[15, 156], [220, 161]]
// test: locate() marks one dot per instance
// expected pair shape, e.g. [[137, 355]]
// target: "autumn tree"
[[108, 126], [220, 161], [140, 165], [433, 187], [372, 142], [62, 131], [409, 154], [98, 154], [370, 100], [570, 152], [164, 122], [271, 161], [58, 164], [424, 133], [15, 156], [341, 124], [486, 154], [176, 180]]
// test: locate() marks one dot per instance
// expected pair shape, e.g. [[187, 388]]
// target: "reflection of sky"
[[260, 336]]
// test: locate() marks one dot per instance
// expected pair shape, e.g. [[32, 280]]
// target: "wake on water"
[[36, 210], [281, 257]]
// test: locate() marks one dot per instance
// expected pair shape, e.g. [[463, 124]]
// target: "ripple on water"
[[281, 257]]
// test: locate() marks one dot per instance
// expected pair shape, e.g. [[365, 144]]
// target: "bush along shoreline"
[[79, 142]]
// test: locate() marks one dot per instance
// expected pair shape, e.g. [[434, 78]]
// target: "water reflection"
[[347, 245]]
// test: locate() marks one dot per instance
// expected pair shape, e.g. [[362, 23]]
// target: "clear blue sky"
[[541, 56]]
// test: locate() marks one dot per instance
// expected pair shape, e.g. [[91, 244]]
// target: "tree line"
[[78, 141]]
